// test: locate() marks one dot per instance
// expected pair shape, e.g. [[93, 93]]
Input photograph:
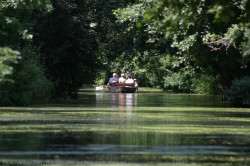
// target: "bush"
[[8, 57], [179, 81], [29, 84], [207, 84], [239, 92], [100, 78]]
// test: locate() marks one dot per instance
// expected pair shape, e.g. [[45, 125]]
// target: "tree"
[[77, 40], [192, 27], [69, 44], [199, 20], [141, 46], [8, 57], [22, 78]]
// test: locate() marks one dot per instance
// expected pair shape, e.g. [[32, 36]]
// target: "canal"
[[145, 128]]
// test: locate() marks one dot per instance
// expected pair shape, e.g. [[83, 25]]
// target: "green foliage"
[[188, 46], [69, 44], [245, 45], [30, 85], [8, 58], [22, 79], [142, 45], [207, 84], [100, 79], [179, 81], [77, 41], [226, 11], [193, 58], [17, 18], [131, 13], [239, 92]]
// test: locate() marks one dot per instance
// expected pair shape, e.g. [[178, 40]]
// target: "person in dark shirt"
[[113, 79]]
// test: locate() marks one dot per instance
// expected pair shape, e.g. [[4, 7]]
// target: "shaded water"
[[120, 129]]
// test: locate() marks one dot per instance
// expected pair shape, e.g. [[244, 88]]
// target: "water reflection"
[[137, 147], [125, 101], [122, 103], [140, 127], [157, 99]]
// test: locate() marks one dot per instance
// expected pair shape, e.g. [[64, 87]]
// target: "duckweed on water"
[[134, 129], [141, 119]]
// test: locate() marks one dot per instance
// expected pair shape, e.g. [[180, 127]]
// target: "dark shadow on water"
[[121, 146], [134, 121]]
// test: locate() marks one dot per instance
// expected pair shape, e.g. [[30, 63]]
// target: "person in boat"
[[122, 79], [136, 84], [130, 79], [113, 79]]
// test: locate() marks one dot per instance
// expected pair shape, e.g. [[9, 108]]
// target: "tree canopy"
[[205, 42], [183, 46]]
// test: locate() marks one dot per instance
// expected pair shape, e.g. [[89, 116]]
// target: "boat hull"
[[128, 90], [122, 89]]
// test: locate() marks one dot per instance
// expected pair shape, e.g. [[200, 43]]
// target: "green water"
[[126, 129]]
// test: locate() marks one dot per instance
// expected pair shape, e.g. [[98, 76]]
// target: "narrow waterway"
[[126, 129]]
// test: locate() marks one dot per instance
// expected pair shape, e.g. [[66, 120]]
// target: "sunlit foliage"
[[203, 39]]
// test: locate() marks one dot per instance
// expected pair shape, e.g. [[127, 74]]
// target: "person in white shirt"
[[130, 80]]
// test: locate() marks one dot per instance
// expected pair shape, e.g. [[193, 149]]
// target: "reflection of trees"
[[16, 141], [70, 138]]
